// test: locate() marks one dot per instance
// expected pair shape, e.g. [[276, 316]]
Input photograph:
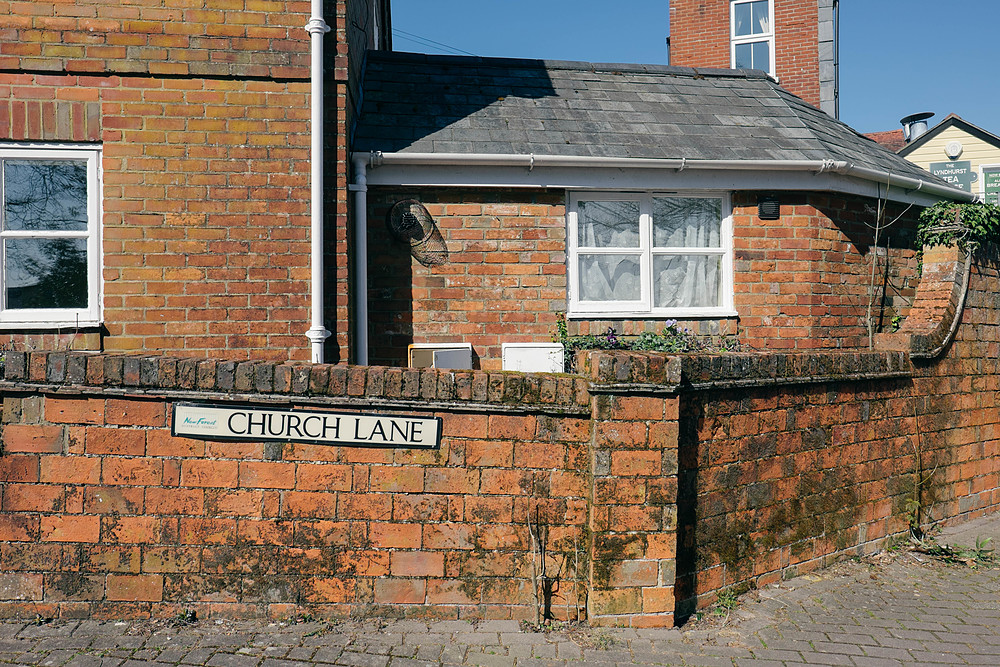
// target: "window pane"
[[686, 281], [751, 18], [608, 224], [744, 56], [609, 278], [45, 195], [742, 17], [687, 222], [762, 56], [45, 273], [761, 18]]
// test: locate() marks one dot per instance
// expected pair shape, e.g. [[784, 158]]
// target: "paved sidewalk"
[[908, 609]]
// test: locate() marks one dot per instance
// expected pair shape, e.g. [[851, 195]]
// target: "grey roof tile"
[[460, 104]]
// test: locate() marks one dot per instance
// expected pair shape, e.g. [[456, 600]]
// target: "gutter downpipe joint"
[[317, 28]]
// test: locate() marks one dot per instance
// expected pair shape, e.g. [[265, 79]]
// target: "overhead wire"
[[424, 41]]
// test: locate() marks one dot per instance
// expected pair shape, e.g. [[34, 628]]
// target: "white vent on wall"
[[533, 357], [440, 355]]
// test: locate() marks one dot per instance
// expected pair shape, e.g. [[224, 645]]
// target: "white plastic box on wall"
[[533, 357], [440, 355]]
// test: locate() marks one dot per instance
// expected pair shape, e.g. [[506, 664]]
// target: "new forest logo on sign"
[[308, 426]]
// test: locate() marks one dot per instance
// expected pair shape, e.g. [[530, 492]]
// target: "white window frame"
[[643, 308], [768, 37], [52, 318]]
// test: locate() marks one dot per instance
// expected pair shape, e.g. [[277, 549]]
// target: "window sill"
[[679, 314], [41, 325]]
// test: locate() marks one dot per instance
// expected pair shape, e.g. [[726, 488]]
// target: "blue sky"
[[897, 57]]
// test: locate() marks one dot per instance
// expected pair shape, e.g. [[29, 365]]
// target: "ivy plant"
[[968, 224]]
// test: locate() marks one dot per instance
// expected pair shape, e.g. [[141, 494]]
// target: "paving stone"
[[59, 657], [362, 659], [498, 626], [826, 659], [451, 626], [544, 651], [840, 649], [454, 654], [92, 661], [300, 653], [541, 662], [410, 662], [569, 651], [878, 662], [328, 654], [708, 661], [231, 660], [778, 656], [888, 653], [198, 656]]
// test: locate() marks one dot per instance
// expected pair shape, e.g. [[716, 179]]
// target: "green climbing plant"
[[968, 224]]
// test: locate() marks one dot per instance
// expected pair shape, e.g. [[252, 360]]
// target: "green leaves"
[[671, 339], [970, 225]]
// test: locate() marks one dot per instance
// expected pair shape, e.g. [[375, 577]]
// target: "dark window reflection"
[[45, 195], [45, 273]]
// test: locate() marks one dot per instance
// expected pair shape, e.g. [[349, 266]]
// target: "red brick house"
[[625, 197], [178, 140], [794, 41], [176, 137]]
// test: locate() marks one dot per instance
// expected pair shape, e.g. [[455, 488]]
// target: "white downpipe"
[[535, 161], [316, 28], [360, 189]]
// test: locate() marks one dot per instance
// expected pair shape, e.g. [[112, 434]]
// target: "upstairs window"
[[650, 255], [753, 34], [49, 237]]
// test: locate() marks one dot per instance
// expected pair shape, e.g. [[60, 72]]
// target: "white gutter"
[[360, 189], [583, 161], [316, 28]]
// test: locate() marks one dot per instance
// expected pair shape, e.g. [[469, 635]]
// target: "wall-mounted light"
[[768, 207]]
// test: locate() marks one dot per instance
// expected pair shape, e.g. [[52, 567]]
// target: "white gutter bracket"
[[317, 333]]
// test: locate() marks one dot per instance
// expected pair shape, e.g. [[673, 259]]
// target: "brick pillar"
[[633, 517]]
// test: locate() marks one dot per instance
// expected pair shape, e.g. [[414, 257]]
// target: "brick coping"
[[282, 383], [645, 372]]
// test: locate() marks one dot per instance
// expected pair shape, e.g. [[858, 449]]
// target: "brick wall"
[[104, 513], [806, 280], [504, 279], [650, 481], [256, 38], [801, 282], [775, 480], [700, 37]]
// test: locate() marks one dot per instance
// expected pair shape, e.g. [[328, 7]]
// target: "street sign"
[[224, 422]]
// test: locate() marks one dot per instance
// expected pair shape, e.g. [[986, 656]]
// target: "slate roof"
[[458, 104]]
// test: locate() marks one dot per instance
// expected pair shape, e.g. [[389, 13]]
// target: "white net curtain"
[[620, 238]]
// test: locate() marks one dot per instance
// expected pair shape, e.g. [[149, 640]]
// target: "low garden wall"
[[629, 494]]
